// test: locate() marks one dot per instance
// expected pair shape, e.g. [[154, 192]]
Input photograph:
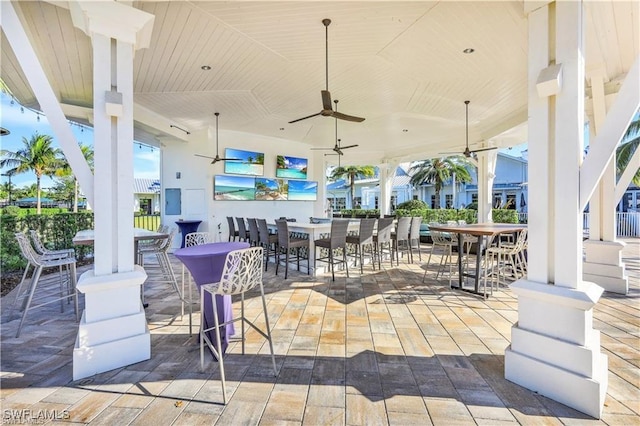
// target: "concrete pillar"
[[603, 262], [113, 331], [554, 349]]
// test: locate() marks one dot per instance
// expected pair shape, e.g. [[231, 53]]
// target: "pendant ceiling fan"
[[467, 152], [327, 111], [217, 157], [337, 148]]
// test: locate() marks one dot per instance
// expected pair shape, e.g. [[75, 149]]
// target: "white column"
[[387, 174], [113, 331], [603, 263], [554, 349], [486, 174]]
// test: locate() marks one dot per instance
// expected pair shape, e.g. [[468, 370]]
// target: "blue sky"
[[25, 124]]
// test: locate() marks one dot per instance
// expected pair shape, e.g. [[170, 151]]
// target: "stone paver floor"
[[381, 348]]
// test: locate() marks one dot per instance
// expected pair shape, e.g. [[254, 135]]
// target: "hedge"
[[55, 231], [470, 216]]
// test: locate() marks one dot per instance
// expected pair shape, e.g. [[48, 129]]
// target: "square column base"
[[113, 331], [554, 349], [603, 265]]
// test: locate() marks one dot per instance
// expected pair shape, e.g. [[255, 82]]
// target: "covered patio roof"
[[401, 65]]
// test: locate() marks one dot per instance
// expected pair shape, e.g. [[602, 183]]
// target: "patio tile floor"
[[381, 348]]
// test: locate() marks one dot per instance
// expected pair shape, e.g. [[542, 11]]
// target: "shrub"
[[11, 211], [412, 205]]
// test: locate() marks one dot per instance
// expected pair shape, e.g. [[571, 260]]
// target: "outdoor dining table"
[[484, 232], [86, 237], [315, 231], [205, 262]]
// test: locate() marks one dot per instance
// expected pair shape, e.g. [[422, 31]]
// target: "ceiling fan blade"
[[484, 149], [304, 118], [326, 100], [348, 146], [204, 156], [346, 117], [321, 149]]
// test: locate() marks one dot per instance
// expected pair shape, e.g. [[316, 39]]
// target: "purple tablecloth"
[[205, 263]]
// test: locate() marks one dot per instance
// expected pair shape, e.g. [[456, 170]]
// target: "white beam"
[[604, 146], [47, 99], [627, 176]]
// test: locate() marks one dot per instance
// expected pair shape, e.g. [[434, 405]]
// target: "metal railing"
[[627, 223]]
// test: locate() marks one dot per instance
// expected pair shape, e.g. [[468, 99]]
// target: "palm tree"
[[65, 171], [437, 171], [351, 173], [627, 148], [37, 156]]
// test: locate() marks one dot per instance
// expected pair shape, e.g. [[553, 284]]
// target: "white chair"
[[242, 272], [66, 287], [161, 252], [506, 255], [192, 239], [441, 240]]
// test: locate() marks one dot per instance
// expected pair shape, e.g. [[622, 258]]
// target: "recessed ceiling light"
[[205, 67], [469, 50], [405, 130]]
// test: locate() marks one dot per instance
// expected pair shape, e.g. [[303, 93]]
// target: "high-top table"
[[205, 262], [86, 237], [187, 227], [482, 231]]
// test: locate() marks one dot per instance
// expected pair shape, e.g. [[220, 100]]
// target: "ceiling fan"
[[337, 148], [326, 96], [467, 152], [217, 157]]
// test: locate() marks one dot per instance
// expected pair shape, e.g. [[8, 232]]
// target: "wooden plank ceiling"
[[399, 64]]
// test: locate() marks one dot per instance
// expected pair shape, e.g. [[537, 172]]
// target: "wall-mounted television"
[[250, 162], [302, 190], [234, 188], [271, 189], [291, 167]]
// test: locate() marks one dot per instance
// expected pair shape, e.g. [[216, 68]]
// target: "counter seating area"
[[381, 347]]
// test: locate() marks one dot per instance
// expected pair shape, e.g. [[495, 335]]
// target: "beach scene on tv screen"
[[271, 189], [302, 190], [291, 167], [234, 188], [249, 162]]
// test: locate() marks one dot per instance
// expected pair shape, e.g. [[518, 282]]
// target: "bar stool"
[[414, 235], [192, 239], [337, 240], [401, 236], [242, 272], [40, 262], [254, 234], [364, 238], [286, 242], [269, 242], [243, 234], [382, 238], [233, 233]]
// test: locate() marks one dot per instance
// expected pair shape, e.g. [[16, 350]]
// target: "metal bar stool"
[[337, 240]]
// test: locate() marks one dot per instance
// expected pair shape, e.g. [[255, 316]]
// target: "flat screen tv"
[[291, 167], [302, 190], [271, 189], [234, 188], [250, 162]]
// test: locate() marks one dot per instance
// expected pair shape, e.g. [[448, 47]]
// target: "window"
[[357, 201], [415, 197], [511, 201], [338, 203], [145, 205], [497, 200], [474, 198], [375, 205], [433, 201], [448, 200]]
